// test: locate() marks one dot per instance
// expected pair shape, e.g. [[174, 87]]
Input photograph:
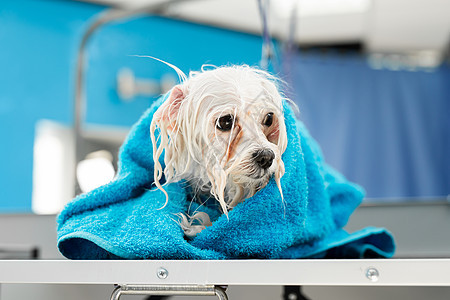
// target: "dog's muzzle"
[[263, 158]]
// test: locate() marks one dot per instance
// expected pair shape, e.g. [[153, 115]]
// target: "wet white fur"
[[195, 150]]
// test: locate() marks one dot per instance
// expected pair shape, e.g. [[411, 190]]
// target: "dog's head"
[[223, 131]]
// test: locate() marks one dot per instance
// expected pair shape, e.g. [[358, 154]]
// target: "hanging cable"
[[289, 49], [293, 27], [268, 52]]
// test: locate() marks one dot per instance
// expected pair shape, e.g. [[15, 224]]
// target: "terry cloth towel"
[[123, 219]]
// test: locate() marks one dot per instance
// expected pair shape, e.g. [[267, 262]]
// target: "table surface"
[[363, 272]]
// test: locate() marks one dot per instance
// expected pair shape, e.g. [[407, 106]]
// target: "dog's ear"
[[165, 118], [168, 112]]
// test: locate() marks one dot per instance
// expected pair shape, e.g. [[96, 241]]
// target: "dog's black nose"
[[264, 158]]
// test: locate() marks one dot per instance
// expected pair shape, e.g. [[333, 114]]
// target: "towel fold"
[[123, 219]]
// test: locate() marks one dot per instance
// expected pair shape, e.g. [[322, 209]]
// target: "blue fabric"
[[122, 220]]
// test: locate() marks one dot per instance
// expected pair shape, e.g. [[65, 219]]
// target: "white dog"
[[223, 131]]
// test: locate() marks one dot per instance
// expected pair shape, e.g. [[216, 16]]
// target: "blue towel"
[[122, 219]]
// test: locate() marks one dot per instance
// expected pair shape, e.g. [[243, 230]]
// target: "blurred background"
[[371, 79]]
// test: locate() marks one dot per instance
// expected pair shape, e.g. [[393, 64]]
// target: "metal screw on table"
[[372, 274], [162, 273]]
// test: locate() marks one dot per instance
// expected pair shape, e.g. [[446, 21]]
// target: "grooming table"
[[189, 277]]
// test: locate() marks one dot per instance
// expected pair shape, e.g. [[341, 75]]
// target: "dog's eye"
[[225, 123], [268, 120]]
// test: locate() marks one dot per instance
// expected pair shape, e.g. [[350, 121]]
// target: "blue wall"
[[186, 45], [38, 40], [38, 45], [387, 130]]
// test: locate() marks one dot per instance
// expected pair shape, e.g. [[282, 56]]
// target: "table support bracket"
[[169, 290]]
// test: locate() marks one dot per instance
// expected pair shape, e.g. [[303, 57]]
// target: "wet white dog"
[[223, 131]]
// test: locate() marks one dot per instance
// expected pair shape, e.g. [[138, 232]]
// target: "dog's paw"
[[192, 225]]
